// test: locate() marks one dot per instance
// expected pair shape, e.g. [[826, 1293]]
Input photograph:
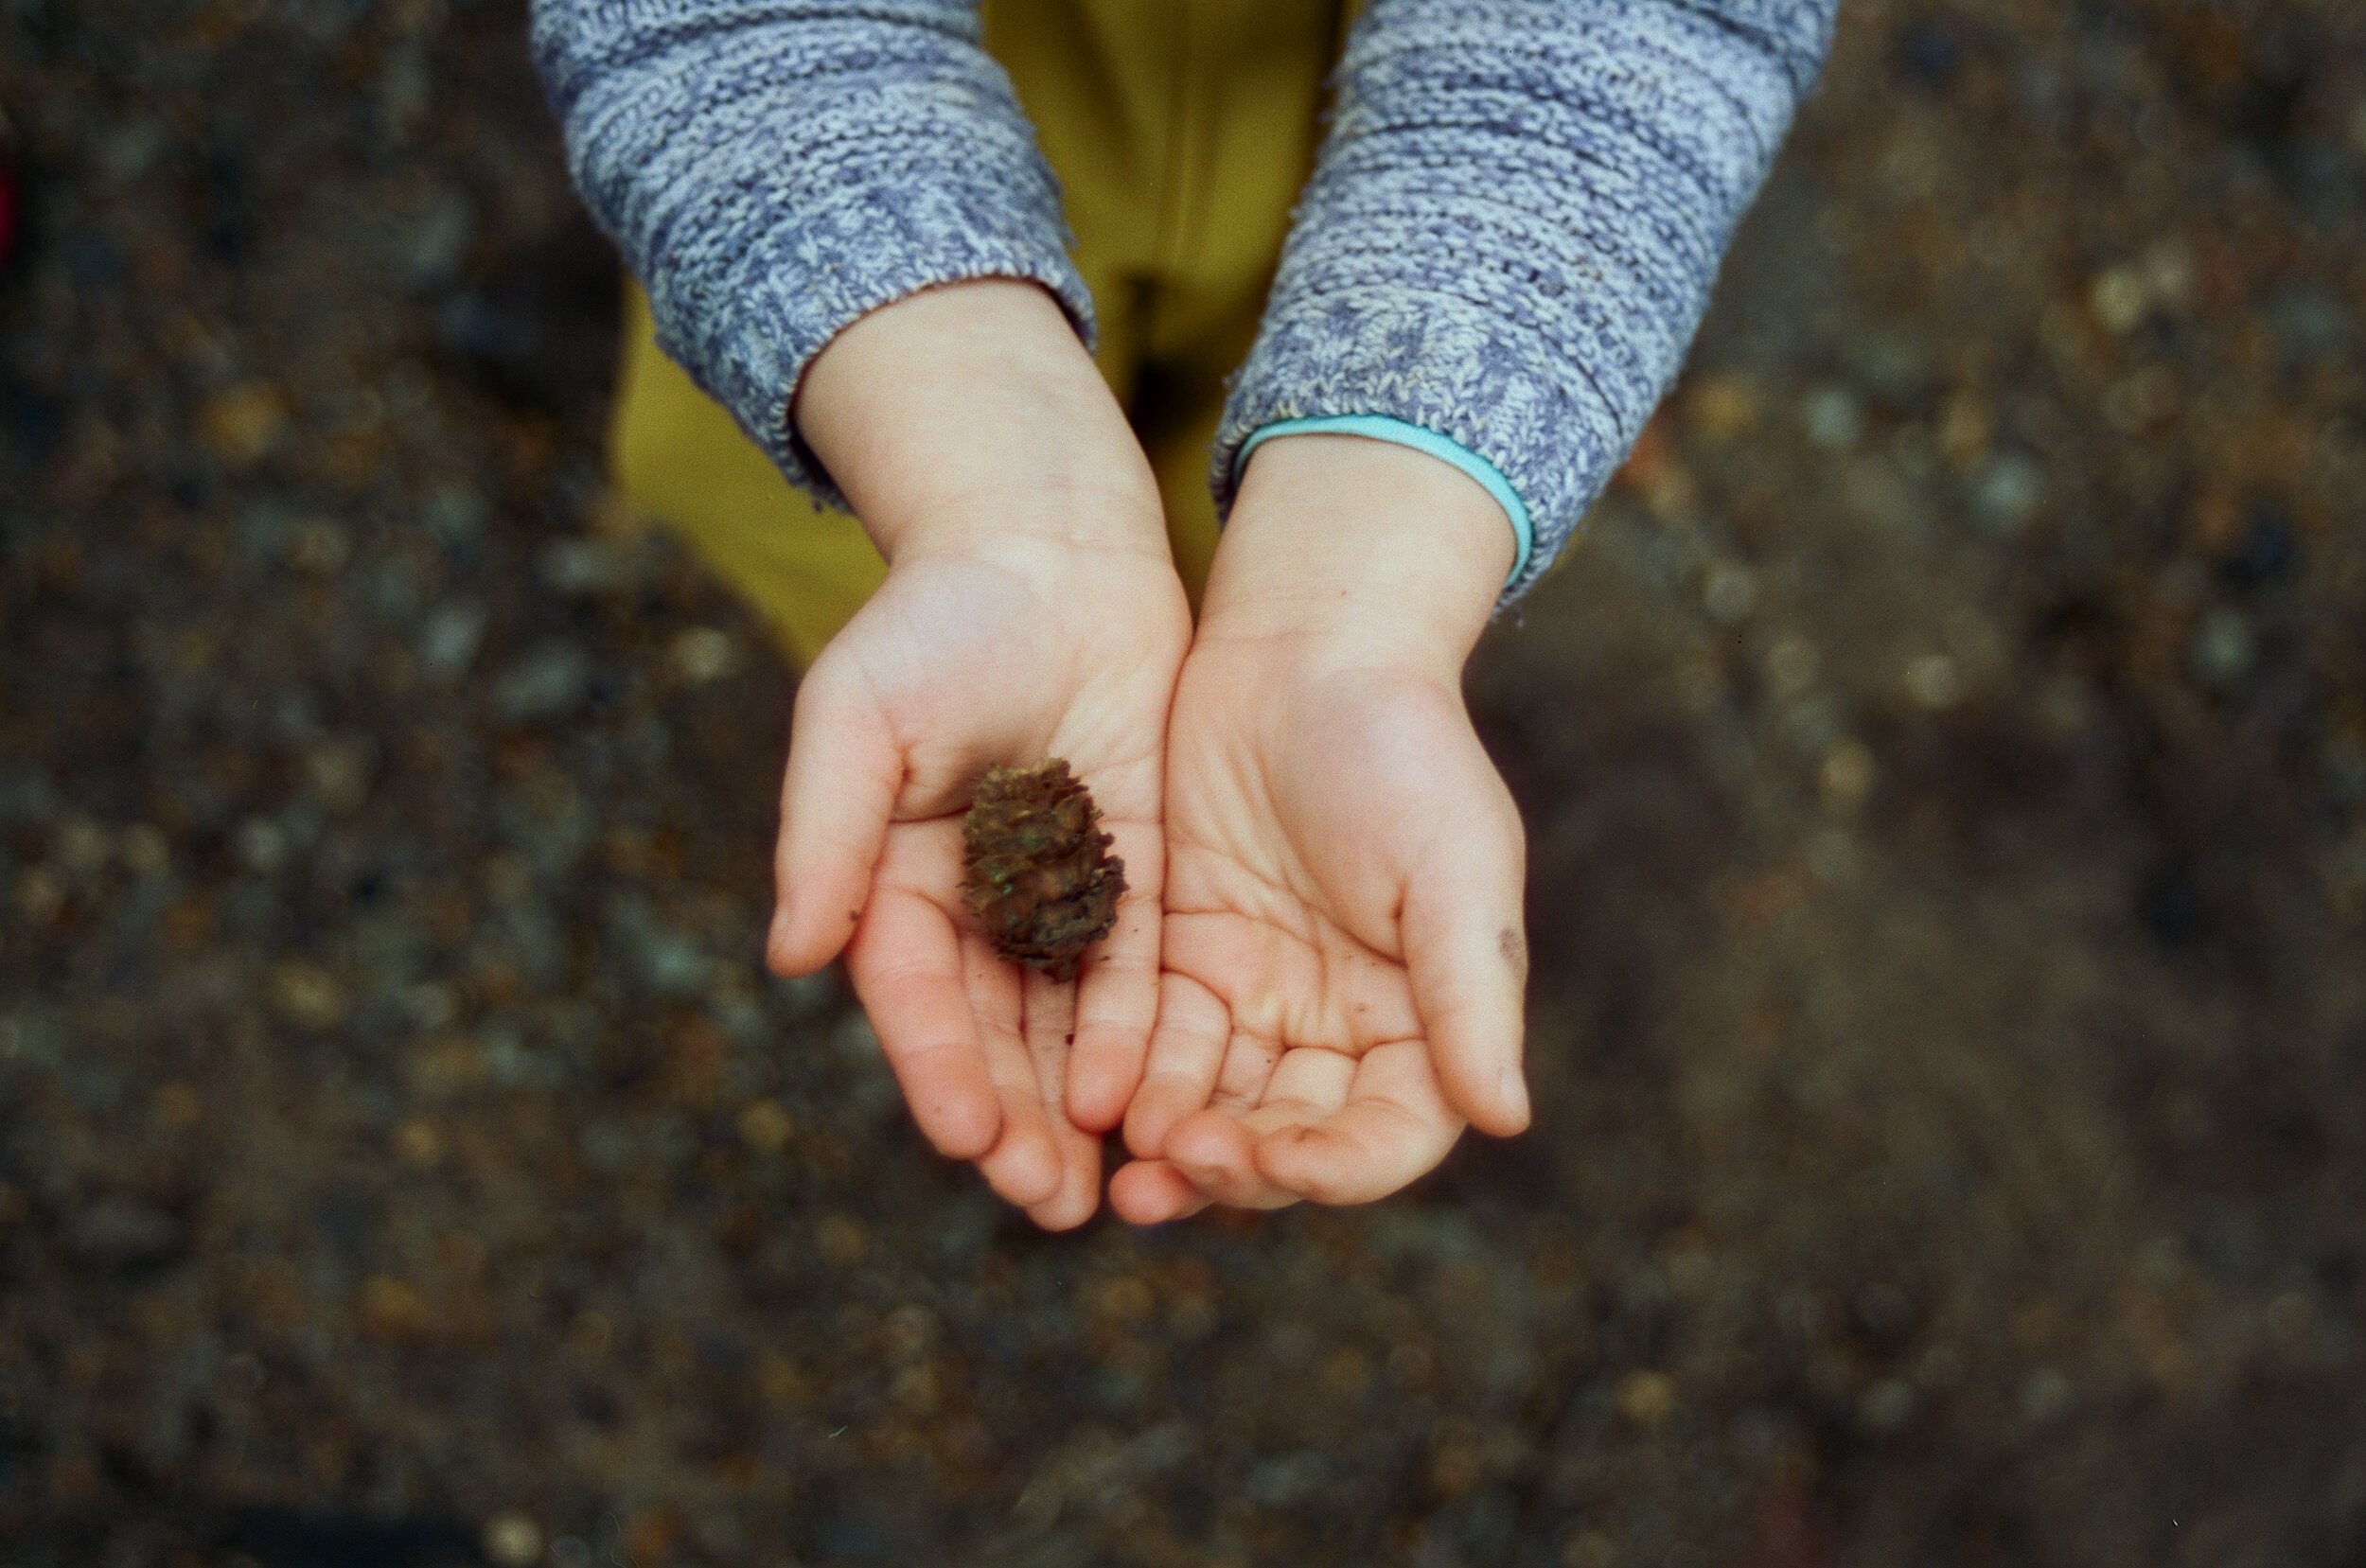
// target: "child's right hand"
[[1031, 609], [1344, 953]]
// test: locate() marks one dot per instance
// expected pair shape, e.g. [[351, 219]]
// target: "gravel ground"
[[1946, 768]]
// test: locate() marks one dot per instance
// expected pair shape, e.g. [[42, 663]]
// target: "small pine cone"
[[1036, 870]]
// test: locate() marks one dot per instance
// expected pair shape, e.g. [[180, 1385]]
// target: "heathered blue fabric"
[[1509, 239], [773, 170]]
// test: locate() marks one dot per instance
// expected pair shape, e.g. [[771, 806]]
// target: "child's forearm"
[[972, 410], [1515, 223], [775, 169]]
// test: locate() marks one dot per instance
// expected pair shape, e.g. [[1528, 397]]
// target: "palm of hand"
[[961, 663], [1342, 959]]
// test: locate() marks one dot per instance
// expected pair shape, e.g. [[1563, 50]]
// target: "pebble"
[[146, 849], [513, 1541], [241, 424], [1646, 1398], [1810, 725], [308, 995], [586, 568], [439, 241], [339, 771], [457, 512], [1935, 681], [261, 844], [1287, 1480], [84, 846], [1846, 775], [703, 654], [450, 638], [1887, 1406], [1730, 592], [318, 548], [766, 1126], [2119, 299], [1834, 420], [1966, 428], [552, 681], [671, 962], [2312, 327], [128, 152], [1896, 367], [418, 1144], [2006, 491], [1791, 666], [2224, 648], [39, 896], [1721, 406]]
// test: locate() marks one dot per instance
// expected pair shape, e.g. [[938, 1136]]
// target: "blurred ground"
[[1947, 774]]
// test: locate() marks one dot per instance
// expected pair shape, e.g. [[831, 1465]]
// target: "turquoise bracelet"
[[1381, 428]]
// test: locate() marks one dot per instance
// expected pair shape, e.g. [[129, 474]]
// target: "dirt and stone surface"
[[1946, 768]]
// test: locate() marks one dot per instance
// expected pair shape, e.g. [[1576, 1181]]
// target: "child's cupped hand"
[[1031, 609], [1344, 956]]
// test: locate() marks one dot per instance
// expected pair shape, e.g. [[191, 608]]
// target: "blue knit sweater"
[[1510, 233]]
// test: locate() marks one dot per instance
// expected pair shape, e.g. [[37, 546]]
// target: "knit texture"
[[1508, 240], [1515, 223], [775, 169]]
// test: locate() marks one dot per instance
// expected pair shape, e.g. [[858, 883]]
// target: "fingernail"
[[1513, 1090]]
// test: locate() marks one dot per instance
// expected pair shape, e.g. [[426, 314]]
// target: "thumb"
[[1466, 953], [844, 773]]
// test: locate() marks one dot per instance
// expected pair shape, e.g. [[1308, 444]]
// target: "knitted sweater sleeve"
[[1513, 225], [772, 169]]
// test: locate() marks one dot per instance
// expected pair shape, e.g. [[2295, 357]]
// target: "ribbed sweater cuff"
[[813, 268], [775, 169], [1437, 362], [1515, 223], [793, 315]]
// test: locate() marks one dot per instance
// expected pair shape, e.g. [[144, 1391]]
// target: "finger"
[[906, 966], [1117, 1000], [1249, 1067], [1308, 1085], [1186, 1050], [1466, 955], [1151, 1192], [837, 793], [1049, 1027], [1220, 1157], [1049, 1010], [1395, 1126], [1080, 1181], [1024, 1164]]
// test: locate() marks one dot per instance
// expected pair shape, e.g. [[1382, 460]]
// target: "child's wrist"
[[970, 411], [1348, 540]]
